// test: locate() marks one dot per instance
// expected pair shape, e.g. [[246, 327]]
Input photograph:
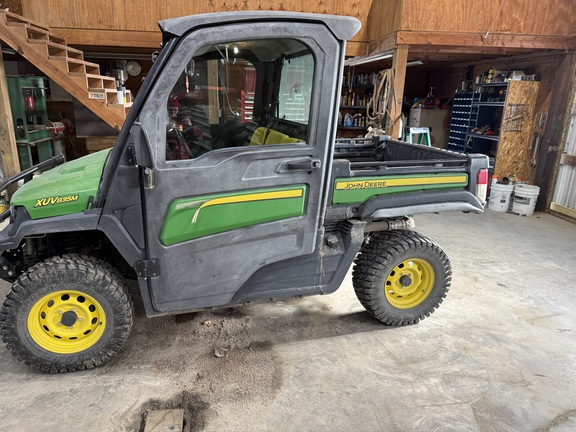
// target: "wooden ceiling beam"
[[354, 49], [383, 44], [507, 41], [435, 44], [466, 50]]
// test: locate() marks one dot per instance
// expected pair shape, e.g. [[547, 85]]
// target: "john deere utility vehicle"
[[244, 196]]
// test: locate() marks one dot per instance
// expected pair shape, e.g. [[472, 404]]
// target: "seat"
[[263, 136]]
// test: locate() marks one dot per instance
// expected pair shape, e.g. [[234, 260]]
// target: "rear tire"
[[401, 276], [66, 314]]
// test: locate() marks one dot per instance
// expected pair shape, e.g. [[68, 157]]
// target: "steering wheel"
[[195, 146], [187, 140]]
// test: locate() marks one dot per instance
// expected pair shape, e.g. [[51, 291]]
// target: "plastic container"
[[525, 197], [348, 121], [500, 197]]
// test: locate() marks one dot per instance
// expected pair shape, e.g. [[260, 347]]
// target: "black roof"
[[342, 27]]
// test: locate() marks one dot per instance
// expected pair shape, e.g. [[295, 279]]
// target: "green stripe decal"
[[192, 218], [359, 189]]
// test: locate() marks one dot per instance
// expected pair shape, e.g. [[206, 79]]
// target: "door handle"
[[148, 176], [301, 165]]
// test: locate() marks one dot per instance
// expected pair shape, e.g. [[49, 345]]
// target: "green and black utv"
[[247, 196]]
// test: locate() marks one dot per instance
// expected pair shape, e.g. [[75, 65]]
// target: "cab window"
[[240, 94]]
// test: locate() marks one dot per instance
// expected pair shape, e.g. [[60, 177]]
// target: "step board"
[[37, 35], [59, 50], [80, 67], [12, 19], [117, 105], [124, 107], [92, 81], [97, 143], [109, 96]]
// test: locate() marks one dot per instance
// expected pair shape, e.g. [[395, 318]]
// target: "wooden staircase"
[[65, 66]]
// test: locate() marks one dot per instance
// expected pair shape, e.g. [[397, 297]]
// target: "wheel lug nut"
[[60, 312], [71, 327], [59, 323], [80, 319]]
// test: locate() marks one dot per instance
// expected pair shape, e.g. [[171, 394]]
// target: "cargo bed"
[[382, 178]]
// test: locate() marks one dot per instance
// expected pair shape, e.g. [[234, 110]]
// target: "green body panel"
[[358, 189], [62, 190], [191, 218]]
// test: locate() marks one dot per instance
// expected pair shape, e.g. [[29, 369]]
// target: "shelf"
[[352, 107], [493, 84], [488, 137], [352, 127], [489, 104]]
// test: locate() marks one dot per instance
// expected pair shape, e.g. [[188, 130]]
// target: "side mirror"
[[143, 150]]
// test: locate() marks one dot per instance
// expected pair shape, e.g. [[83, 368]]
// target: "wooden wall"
[[523, 17], [384, 18], [529, 17], [133, 23], [142, 16]]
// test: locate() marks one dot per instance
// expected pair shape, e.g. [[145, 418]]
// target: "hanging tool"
[[377, 108]]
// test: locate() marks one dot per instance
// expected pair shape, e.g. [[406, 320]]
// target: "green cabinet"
[[30, 118]]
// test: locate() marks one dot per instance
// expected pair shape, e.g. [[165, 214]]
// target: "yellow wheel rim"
[[409, 283], [66, 322]]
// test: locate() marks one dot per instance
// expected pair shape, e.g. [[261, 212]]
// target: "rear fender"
[[422, 202]]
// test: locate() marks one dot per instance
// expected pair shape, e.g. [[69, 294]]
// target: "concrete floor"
[[499, 354]]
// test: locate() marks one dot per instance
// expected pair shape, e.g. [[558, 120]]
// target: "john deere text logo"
[[42, 202]]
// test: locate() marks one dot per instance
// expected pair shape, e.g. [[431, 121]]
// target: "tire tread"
[[68, 269], [380, 253]]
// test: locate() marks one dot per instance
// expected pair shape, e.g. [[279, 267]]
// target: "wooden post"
[[395, 106], [8, 151]]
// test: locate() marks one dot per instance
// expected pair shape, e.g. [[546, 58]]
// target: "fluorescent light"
[[358, 60], [415, 63]]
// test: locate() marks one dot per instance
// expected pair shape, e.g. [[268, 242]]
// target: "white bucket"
[[525, 197], [500, 197]]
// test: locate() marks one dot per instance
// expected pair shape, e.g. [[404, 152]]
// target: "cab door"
[[239, 177]]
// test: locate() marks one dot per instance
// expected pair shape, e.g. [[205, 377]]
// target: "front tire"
[[66, 314], [401, 276]]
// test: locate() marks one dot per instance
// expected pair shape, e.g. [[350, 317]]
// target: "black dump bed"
[[380, 178], [381, 151]]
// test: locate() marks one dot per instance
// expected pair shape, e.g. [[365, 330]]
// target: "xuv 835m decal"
[[191, 218], [359, 189], [55, 200]]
